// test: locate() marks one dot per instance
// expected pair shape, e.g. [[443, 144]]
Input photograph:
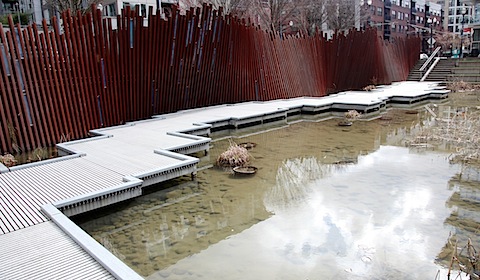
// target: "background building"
[[392, 18], [402, 18]]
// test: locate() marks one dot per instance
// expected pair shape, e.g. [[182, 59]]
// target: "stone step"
[[472, 70], [468, 79]]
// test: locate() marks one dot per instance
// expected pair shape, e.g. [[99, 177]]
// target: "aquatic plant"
[[460, 129], [39, 154], [461, 260], [8, 160], [369, 88], [13, 137], [352, 115], [234, 156]]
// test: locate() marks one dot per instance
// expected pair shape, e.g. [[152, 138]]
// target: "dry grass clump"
[[352, 115], [460, 130], [39, 154], [462, 259], [369, 88], [462, 86], [234, 156], [467, 95], [8, 160]]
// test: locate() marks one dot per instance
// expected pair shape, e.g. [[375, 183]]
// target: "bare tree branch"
[[306, 15], [234, 7], [341, 14], [72, 5], [276, 14], [313, 16]]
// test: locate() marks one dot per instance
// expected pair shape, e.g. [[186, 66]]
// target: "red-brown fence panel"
[[56, 84]]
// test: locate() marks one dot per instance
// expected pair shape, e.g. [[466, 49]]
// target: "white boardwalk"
[[44, 251], [118, 163]]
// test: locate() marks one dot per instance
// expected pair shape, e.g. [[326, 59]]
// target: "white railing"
[[434, 53], [437, 59]]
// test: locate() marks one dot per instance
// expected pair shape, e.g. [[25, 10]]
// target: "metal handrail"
[[437, 59], [434, 53]]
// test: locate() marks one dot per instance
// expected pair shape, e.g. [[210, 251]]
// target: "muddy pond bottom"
[[325, 203]]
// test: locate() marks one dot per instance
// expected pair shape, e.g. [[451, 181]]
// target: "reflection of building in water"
[[465, 218], [293, 182]]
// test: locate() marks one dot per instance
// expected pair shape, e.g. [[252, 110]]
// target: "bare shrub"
[[460, 259], [458, 86], [234, 156], [369, 88], [459, 130], [40, 154], [8, 160], [352, 115]]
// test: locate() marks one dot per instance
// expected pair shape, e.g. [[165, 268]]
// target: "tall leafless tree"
[[234, 7], [276, 14], [313, 16], [305, 15], [341, 14]]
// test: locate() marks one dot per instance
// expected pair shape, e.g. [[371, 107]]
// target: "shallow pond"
[[327, 202]]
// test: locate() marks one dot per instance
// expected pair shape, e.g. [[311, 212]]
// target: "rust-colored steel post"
[[58, 84]]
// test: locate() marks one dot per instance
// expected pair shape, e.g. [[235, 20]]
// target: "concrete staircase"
[[415, 74], [467, 70], [449, 70], [441, 71]]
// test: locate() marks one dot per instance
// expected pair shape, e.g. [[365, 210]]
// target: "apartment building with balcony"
[[402, 18], [463, 19]]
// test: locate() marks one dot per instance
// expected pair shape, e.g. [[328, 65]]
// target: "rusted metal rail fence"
[[59, 82]]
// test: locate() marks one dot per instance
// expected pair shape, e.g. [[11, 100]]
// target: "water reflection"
[[326, 203], [464, 219], [356, 224], [294, 182]]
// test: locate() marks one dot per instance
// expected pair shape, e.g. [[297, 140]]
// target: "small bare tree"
[[450, 41]]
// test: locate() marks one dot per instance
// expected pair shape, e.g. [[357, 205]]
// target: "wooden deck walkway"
[[115, 165]]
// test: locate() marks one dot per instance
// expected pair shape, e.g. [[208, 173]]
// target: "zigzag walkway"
[[38, 240]]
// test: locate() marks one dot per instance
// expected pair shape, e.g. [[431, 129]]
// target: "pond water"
[[327, 202]]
